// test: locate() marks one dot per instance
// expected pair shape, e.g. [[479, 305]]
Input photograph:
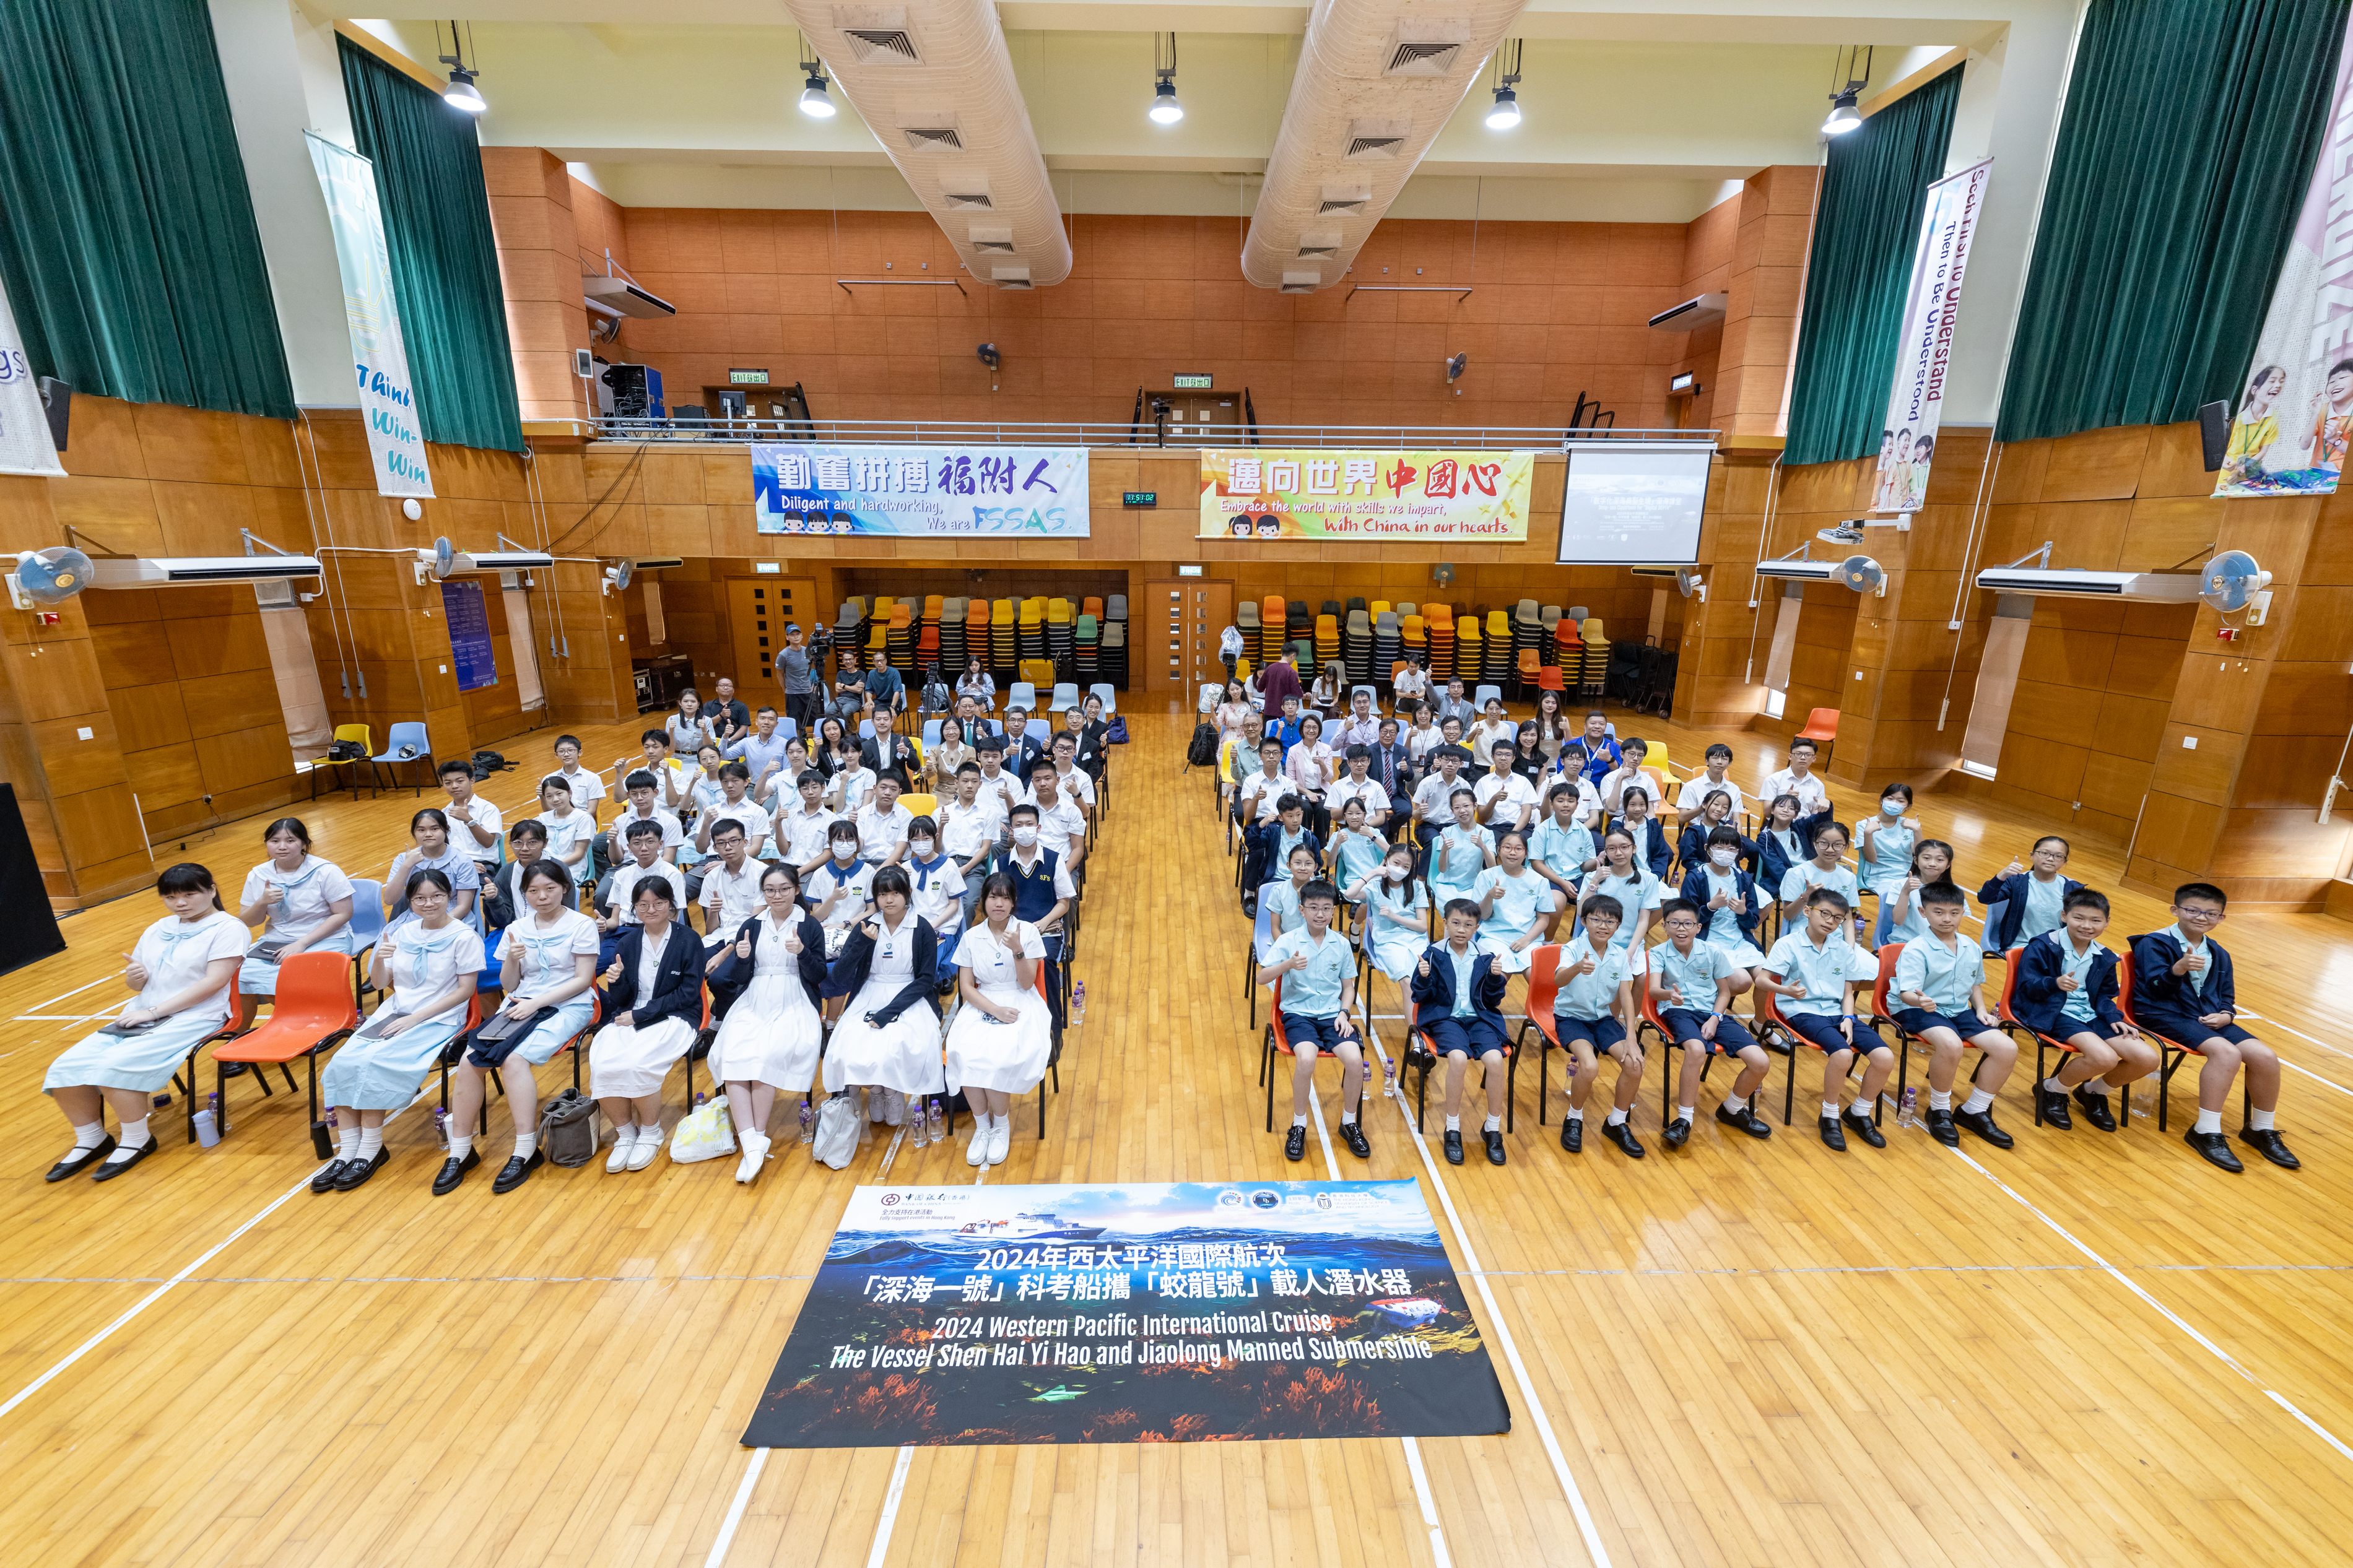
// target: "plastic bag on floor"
[[706, 1132], [837, 1126]]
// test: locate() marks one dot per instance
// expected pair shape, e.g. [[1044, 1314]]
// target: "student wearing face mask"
[[1043, 893], [1396, 912], [1884, 841], [937, 889], [1726, 897], [839, 891]]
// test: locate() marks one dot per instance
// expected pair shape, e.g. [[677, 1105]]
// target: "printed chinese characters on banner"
[[978, 491], [1270, 493]]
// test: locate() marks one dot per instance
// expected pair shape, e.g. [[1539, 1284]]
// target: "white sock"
[[89, 1137], [1454, 1124], [1685, 1112], [347, 1143], [1578, 1114], [2259, 1122], [1616, 1119], [1734, 1102], [461, 1145], [526, 1144], [2210, 1121], [1979, 1100], [1299, 1121], [1864, 1104], [371, 1142], [1495, 1124], [1348, 1118], [2053, 1086], [1830, 1108], [133, 1139], [1940, 1100]]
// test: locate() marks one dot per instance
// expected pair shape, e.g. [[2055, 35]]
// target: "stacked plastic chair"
[[1497, 665], [952, 638], [1273, 621], [1088, 639], [850, 624], [1114, 640], [1328, 640], [1413, 637], [1597, 655], [1569, 654], [1470, 644], [1529, 634], [899, 644], [1246, 622], [1438, 623], [1004, 650], [1060, 635], [1387, 643], [1298, 628], [1548, 619], [1031, 621], [1356, 642]]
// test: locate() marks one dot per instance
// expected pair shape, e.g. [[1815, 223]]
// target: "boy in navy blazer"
[[2066, 991], [2182, 993], [1458, 1001]]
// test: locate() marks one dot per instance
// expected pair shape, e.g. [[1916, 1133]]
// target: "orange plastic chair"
[[312, 1012], [1821, 729], [2045, 1044], [2177, 1051], [1276, 1043], [1511, 1063]]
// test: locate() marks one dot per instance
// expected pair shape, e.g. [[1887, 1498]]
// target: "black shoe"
[[1294, 1147], [1862, 1124], [1622, 1135], [109, 1169], [1353, 1134], [1941, 1127], [1981, 1123], [1454, 1148], [1677, 1134], [1831, 1135], [1495, 1146], [2096, 1110], [2215, 1149], [1572, 1134], [80, 1160], [516, 1171], [453, 1171], [356, 1172], [1745, 1118], [2267, 1143], [2055, 1110], [325, 1181]]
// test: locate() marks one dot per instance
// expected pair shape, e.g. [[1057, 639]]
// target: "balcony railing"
[[1121, 434]]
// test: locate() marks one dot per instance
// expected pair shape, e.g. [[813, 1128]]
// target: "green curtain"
[[1874, 190], [445, 261], [2190, 133], [127, 239]]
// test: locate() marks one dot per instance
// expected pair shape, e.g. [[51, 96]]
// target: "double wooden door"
[[758, 610], [1175, 639]]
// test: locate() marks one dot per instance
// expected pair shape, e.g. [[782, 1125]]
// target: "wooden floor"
[[2092, 1349]]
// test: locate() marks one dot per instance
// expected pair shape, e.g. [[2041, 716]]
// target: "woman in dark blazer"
[[653, 1006]]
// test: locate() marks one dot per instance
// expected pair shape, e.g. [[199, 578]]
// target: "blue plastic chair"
[[1023, 695], [367, 924], [866, 729], [410, 735], [789, 729], [1111, 697], [931, 733], [1261, 939], [1038, 730], [1066, 696], [1479, 698]]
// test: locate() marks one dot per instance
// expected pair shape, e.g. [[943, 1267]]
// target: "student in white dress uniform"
[[306, 903], [181, 968], [938, 884], [773, 1033], [1003, 1036], [568, 828], [550, 963], [653, 1005], [426, 964], [887, 1035]]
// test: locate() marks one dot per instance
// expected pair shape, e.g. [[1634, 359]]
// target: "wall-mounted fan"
[[1862, 575], [1442, 574], [2230, 579], [616, 577], [436, 563], [1689, 585], [46, 577]]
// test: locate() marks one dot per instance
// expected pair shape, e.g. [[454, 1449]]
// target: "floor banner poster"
[[2295, 411], [1131, 1313], [1917, 404], [379, 353], [1474, 495], [975, 492]]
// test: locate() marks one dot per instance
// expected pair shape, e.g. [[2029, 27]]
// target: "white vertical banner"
[[24, 444], [1917, 404], [2295, 414], [379, 357]]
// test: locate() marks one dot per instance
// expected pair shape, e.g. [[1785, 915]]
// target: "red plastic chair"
[[1769, 1017], [1669, 1068], [1544, 990], [2179, 1052], [313, 1011], [1274, 1042], [1821, 729]]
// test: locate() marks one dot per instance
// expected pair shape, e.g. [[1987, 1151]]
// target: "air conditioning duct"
[[176, 571], [936, 72], [1376, 80], [2138, 587], [620, 297]]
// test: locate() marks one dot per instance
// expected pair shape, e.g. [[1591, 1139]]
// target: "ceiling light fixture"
[[814, 101], [1844, 116], [461, 93], [1507, 112], [1165, 109]]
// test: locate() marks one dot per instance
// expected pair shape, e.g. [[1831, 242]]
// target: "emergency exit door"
[[758, 610], [1183, 620]]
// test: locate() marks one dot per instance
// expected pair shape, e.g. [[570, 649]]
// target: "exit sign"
[[1140, 497], [747, 378], [1193, 383]]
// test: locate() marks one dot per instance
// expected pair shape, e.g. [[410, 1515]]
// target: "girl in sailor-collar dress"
[[181, 967], [889, 1035], [1003, 1036], [428, 963], [306, 903], [774, 1034]]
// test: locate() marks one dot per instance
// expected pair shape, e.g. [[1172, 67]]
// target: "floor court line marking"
[[157, 1294], [726, 1537], [1412, 1450], [890, 1506], [2216, 1352], [1575, 1499], [2299, 1034]]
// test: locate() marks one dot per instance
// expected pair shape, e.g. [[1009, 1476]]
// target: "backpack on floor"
[[488, 763], [1116, 732], [567, 1129], [1202, 752]]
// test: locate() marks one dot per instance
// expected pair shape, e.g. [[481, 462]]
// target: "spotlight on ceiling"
[[1507, 112], [814, 101], [1844, 116], [1165, 109], [461, 93]]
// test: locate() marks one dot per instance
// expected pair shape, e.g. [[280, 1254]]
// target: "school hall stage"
[[2093, 1349]]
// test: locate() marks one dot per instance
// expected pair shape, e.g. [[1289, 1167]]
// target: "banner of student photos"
[[1915, 404], [978, 491], [1135, 1314], [1271, 493], [2295, 412]]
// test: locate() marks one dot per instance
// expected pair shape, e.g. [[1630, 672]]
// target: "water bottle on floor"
[[938, 1115], [808, 1122], [919, 1124], [1079, 1003], [1907, 1109], [208, 1122]]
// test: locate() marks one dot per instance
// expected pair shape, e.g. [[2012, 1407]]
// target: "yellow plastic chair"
[[920, 805], [367, 750]]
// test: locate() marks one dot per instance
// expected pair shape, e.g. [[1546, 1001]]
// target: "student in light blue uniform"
[[1885, 851], [1314, 968], [1593, 1015], [1562, 849], [1824, 870], [1779, 843], [1812, 973], [1461, 852], [1512, 900], [1281, 900], [1396, 912], [1355, 850], [1940, 990], [567, 828], [1932, 866], [1692, 984], [306, 903], [1625, 881], [2033, 900], [434, 852], [1458, 1007]]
